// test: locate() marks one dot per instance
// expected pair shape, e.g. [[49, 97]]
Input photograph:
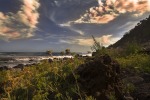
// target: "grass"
[[139, 62], [46, 81]]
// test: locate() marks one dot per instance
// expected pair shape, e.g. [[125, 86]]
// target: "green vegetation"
[[67, 51], [49, 52], [46, 81], [137, 62], [140, 34], [50, 81], [98, 48]]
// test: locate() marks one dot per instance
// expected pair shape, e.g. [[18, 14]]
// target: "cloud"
[[70, 27], [37, 39], [21, 24], [108, 10], [105, 40], [66, 41]]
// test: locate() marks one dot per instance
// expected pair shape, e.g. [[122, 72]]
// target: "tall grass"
[[139, 62], [46, 81]]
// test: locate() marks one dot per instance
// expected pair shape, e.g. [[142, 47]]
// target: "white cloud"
[[37, 39], [68, 25]]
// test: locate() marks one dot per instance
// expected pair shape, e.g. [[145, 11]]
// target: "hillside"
[[139, 34]]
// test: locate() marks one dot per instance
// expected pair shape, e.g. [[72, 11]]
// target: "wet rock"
[[19, 66], [31, 60], [100, 78], [3, 68], [50, 60]]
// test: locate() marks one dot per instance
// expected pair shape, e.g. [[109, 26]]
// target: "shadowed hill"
[[139, 34]]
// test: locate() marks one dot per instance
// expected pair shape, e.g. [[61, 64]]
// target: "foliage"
[[132, 48], [67, 51], [49, 81], [139, 62], [140, 33], [49, 52], [45, 81], [96, 46]]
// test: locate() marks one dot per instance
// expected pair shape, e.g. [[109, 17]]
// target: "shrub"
[[140, 62]]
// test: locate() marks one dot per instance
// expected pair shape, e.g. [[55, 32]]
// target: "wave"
[[25, 60]]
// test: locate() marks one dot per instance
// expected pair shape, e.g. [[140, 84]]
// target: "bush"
[[140, 62], [40, 82]]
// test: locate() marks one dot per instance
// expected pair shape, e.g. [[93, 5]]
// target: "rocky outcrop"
[[3, 68], [100, 78], [140, 83], [19, 66]]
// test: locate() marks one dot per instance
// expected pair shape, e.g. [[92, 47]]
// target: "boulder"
[[100, 78], [146, 77], [3, 68], [50, 60], [20, 66], [142, 92], [134, 80]]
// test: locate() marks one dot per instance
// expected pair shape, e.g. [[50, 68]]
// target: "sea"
[[12, 59]]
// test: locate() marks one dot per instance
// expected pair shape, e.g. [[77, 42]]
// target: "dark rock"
[[142, 92], [128, 72], [65, 58], [100, 78], [3, 68], [20, 66], [50, 60], [2, 88], [146, 77], [128, 98], [134, 80], [31, 60]]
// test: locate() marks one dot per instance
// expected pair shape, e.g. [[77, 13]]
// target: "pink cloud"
[[105, 40], [26, 18], [29, 10], [108, 10]]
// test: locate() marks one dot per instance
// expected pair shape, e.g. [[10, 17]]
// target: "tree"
[[67, 51], [49, 52], [96, 46]]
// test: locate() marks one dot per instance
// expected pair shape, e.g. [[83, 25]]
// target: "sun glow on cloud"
[[108, 10], [104, 40], [22, 24]]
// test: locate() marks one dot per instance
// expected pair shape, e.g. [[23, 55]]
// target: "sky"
[[40, 25]]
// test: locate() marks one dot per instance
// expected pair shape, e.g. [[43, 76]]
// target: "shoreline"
[[13, 61]]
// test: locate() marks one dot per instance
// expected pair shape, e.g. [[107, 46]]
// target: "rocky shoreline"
[[7, 63]]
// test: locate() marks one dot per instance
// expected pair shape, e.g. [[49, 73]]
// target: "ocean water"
[[11, 59], [15, 54]]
